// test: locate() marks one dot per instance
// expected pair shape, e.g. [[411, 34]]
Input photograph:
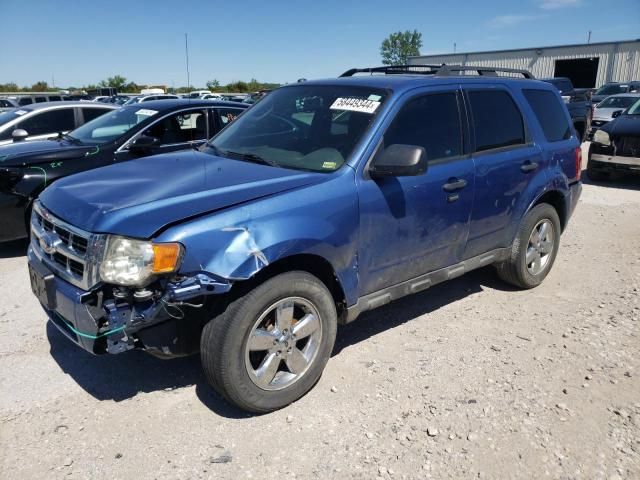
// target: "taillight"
[[578, 154]]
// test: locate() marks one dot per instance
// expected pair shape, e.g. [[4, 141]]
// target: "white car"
[[43, 120], [148, 98], [605, 111]]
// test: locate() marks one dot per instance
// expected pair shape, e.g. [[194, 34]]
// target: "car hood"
[[623, 126], [27, 153], [140, 197]]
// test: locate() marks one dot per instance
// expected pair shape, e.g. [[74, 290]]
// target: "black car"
[[616, 145], [614, 88], [127, 133]]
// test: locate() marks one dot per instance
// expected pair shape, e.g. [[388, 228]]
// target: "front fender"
[[236, 244]]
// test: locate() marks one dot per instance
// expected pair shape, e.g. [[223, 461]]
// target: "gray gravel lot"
[[470, 379]]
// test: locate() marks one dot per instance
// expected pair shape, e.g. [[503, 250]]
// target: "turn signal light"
[[166, 257]]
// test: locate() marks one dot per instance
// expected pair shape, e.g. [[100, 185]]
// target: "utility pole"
[[589, 37], [454, 47], [186, 50]]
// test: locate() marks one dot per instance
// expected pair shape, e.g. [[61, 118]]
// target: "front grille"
[[628, 147], [66, 249]]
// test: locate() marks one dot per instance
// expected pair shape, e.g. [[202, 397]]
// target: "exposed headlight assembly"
[[132, 262], [601, 137]]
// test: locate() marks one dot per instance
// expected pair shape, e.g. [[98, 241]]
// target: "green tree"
[[40, 87], [9, 87], [213, 84], [117, 81], [238, 87], [399, 46]]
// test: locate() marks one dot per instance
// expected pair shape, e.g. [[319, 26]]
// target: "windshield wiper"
[[68, 137], [251, 157]]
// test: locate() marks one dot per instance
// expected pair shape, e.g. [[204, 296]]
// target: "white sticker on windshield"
[[355, 105], [146, 112], [375, 98], [20, 112]]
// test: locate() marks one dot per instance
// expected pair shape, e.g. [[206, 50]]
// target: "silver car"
[[43, 120], [609, 108]]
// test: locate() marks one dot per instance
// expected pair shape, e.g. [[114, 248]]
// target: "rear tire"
[[534, 249], [269, 347]]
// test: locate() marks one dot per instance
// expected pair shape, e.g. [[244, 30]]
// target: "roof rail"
[[442, 70], [447, 70]]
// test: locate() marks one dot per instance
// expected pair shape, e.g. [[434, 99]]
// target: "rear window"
[[550, 114], [497, 122], [561, 84]]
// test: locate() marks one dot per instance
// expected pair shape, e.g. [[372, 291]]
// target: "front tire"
[[269, 347], [534, 249]]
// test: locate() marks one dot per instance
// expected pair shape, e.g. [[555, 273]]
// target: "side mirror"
[[616, 114], [144, 144], [19, 135], [399, 160]]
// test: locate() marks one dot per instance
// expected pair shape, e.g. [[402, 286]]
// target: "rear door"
[[223, 116], [506, 160], [89, 113], [413, 225]]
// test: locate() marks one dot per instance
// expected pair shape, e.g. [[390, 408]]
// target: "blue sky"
[[277, 41]]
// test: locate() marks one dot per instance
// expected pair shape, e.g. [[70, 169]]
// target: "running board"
[[415, 285]]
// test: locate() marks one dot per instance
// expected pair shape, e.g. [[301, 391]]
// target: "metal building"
[[587, 65]]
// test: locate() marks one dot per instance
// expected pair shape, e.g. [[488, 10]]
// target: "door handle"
[[454, 184], [528, 166]]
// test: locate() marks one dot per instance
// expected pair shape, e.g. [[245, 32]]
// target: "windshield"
[[611, 89], [310, 127], [617, 102], [112, 125], [635, 109]]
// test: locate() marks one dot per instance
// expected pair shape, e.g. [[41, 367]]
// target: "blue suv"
[[324, 200]]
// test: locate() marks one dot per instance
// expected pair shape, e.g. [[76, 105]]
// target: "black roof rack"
[[442, 70]]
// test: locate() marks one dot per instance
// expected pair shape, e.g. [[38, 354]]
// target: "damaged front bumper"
[[166, 321]]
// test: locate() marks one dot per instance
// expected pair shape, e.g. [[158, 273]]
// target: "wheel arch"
[[315, 265], [557, 200]]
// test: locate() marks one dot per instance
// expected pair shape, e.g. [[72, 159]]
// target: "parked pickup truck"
[[325, 199], [578, 101]]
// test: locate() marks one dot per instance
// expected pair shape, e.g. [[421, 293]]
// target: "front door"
[[506, 161], [413, 225], [178, 131]]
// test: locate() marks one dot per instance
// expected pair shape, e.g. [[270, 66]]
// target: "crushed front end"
[[618, 153], [164, 315]]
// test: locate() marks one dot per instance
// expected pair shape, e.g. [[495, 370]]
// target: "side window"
[[55, 98], [40, 99], [226, 115], [53, 121], [91, 113], [550, 114], [25, 101], [496, 120], [180, 128], [432, 122]]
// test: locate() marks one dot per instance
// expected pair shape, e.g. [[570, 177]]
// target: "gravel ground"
[[470, 379]]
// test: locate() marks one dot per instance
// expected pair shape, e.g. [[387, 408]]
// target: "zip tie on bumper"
[[92, 337]]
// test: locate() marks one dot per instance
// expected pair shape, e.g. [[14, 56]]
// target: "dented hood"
[[623, 126], [138, 198]]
